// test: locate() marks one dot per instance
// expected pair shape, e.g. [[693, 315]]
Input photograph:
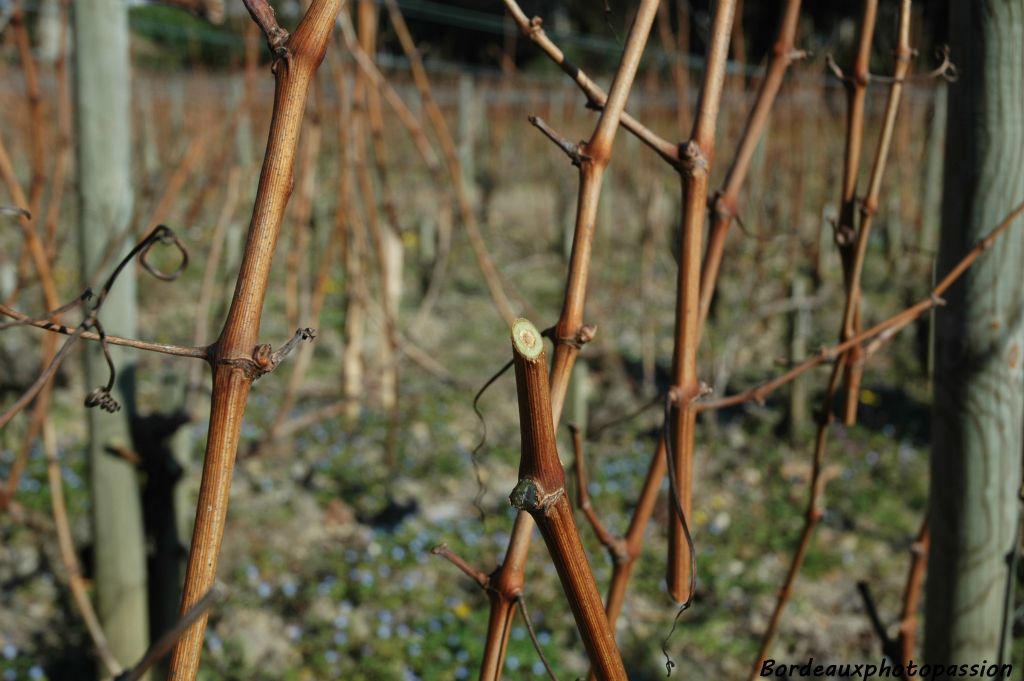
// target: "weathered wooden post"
[[979, 341], [105, 198]]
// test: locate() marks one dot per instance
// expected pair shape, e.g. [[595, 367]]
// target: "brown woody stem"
[[36, 251], [68, 554], [888, 327], [541, 493], [912, 592], [481, 578], [263, 14], [856, 91], [814, 513], [868, 208], [531, 28], [633, 541], [467, 213], [615, 546], [815, 504], [195, 352], [724, 204], [231, 381], [570, 331], [694, 167]]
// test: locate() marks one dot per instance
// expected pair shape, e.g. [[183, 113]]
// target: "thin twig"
[[890, 647], [34, 99], [596, 97], [725, 201], [521, 602], [812, 516], [946, 70], [571, 150], [37, 253], [64, 136], [41, 320], [160, 234], [167, 641], [228, 206], [892, 325], [14, 211], [845, 229], [405, 115], [912, 592], [467, 214], [594, 432], [570, 333], [477, 576], [868, 208], [69, 556], [615, 546], [263, 14], [193, 351]]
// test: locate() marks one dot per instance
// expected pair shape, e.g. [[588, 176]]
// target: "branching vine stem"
[[166, 642], [571, 150], [724, 202], [101, 396], [868, 209], [193, 351], [596, 97], [467, 213], [509, 577], [263, 14], [306, 47], [541, 493], [696, 157], [888, 327]]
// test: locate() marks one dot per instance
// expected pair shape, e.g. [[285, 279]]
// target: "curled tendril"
[[946, 68], [91, 303], [101, 397], [164, 235], [481, 485]]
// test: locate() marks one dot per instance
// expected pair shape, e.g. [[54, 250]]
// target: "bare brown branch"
[[476, 575], [532, 29], [868, 208], [68, 554], [890, 326], [725, 201], [541, 492], [694, 169], [467, 214], [615, 546], [570, 333], [231, 382], [195, 351], [263, 14]]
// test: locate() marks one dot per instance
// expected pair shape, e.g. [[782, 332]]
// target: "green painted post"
[[105, 200]]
